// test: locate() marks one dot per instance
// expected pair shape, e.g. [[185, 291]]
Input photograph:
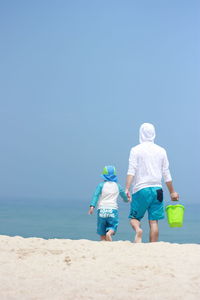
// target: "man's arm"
[[168, 179], [174, 195], [129, 180], [132, 167]]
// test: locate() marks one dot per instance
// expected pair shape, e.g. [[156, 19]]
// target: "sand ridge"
[[35, 268]]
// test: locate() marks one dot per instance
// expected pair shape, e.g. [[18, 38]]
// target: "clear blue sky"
[[77, 80]]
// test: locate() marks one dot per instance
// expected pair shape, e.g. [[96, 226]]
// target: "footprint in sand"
[[67, 260]]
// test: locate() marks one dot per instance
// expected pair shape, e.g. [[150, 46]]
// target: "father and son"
[[148, 164]]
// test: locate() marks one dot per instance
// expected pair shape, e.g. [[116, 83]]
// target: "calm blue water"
[[59, 219]]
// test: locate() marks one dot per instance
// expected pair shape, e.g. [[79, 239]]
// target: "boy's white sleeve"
[[165, 169], [132, 167]]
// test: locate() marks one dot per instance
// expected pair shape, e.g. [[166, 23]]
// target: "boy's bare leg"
[[109, 234], [136, 226], [103, 238], [153, 235]]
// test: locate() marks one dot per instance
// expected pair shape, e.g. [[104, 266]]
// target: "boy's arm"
[[123, 194], [95, 197]]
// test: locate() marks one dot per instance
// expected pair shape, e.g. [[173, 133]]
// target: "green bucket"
[[175, 214]]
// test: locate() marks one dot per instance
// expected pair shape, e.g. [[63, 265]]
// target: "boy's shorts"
[[151, 199], [107, 219]]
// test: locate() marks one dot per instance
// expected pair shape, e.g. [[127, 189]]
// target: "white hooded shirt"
[[148, 162]]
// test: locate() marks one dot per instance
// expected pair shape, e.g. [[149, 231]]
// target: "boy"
[[106, 195]]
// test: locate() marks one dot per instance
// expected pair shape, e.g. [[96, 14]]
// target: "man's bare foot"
[[138, 236]]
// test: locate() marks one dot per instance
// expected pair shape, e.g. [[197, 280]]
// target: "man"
[[148, 164]]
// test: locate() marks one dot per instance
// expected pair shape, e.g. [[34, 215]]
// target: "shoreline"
[[35, 268]]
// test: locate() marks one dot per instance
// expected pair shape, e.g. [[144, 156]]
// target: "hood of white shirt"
[[147, 133]]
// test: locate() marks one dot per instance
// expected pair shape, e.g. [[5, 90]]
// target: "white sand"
[[35, 268]]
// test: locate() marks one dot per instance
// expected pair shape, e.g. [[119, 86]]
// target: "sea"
[[69, 219]]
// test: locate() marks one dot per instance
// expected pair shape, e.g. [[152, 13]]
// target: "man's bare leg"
[[138, 231], [154, 232], [109, 235]]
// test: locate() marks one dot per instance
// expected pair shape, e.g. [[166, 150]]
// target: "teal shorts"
[[148, 199], [107, 219]]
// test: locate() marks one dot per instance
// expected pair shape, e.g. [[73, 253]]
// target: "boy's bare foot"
[[108, 238], [138, 236], [109, 235], [103, 238]]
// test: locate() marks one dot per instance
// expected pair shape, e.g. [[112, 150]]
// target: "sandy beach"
[[34, 268]]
